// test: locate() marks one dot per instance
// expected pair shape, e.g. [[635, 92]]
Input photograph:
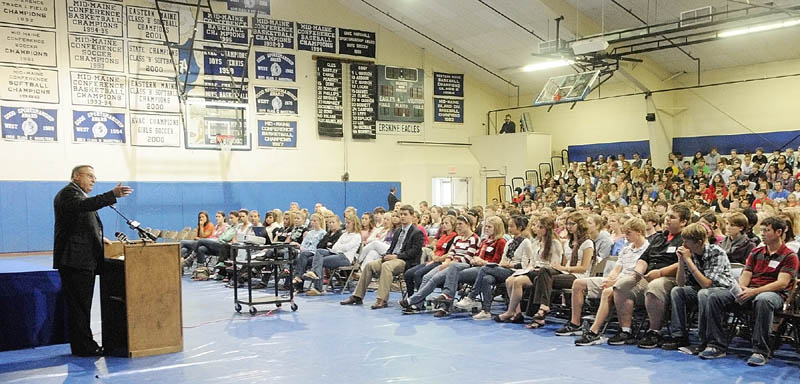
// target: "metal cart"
[[273, 262]]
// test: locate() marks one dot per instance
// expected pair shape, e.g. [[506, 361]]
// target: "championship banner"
[[144, 24], [94, 18], [329, 98], [225, 28], [27, 46], [29, 124], [273, 33], [356, 43], [401, 96], [277, 134], [363, 91], [155, 130], [448, 84], [98, 127], [316, 38], [225, 90], [98, 90], [275, 66], [95, 52], [40, 13], [29, 84], [153, 95], [448, 110], [249, 6], [275, 100], [225, 62], [151, 59]]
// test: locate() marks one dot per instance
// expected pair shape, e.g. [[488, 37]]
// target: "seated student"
[[340, 254], [700, 266], [313, 236], [736, 244], [205, 230], [377, 247], [298, 228], [653, 279], [602, 287], [416, 220], [271, 223], [413, 276], [464, 249], [334, 231], [766, 281], [489, 252], [517, 253], [283, 233], [211, 246], [601, 239], [367, 226], [581, 254], [547, 252], [404, 253]]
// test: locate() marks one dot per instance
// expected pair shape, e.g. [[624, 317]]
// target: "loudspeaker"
[[650, 117]]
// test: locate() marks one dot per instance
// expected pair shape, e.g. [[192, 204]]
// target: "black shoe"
[[352, 300], [673, 343], [570, 330], [651, 339], [404, 303], [99, 351], [692, 349], [442, 299], [441, 313], [518, 319], [588, 338], [412, 310], [621, 338]]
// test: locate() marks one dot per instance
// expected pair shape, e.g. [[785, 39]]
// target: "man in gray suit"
[[78, 251]]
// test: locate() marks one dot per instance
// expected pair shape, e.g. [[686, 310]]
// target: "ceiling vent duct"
[[696, 16]]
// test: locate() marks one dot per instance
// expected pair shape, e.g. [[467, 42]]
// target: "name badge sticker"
[[773, 264], [672, 249]]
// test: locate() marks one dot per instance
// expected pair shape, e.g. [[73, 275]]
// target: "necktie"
[[399, 245]]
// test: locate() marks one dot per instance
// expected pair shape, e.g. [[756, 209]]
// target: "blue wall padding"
[[628, 148], [747, 142], [26, 222]]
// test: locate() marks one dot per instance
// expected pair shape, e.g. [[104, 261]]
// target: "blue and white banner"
[[225, 28], [279, 101], [448, 84], [98, 127], [316, 38], [277, 134], [224, 62], [273, 33], [226, 90], [250, 6], [275, 66], [31, 124], [448, 110]]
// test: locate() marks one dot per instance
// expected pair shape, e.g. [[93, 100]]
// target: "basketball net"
[[225, 142]]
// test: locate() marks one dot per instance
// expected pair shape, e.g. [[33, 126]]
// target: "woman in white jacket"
[[341, 254]]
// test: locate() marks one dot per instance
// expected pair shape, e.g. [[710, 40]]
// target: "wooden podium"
[[140, 299]]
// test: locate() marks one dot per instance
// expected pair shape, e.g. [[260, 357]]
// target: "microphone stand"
[[135, 225]]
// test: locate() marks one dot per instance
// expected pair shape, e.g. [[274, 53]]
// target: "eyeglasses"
[[89, 175]]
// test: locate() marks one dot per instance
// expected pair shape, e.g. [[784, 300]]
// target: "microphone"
[[121, 237]]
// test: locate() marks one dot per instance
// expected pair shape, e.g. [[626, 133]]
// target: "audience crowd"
[[699, 239]]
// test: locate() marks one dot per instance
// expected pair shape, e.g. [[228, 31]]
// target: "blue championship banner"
[[225, 28], [279, 101], [448, 84], [275, 66], [273, 33], [448, 110], [316, 38], [98, 127], [277, 134], [224, 62], [250, 6], [31, 124]]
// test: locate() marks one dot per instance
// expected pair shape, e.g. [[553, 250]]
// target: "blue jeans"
[[455, 274], [324, 258], [764, 306], [683, 298], [414, 275], [187, 247], [301, 263], [206, 247], [486, 278], [430, 281]]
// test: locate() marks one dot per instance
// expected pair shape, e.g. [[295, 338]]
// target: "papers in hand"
[[520, 272]]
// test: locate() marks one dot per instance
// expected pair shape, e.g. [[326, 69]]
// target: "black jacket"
[[411, 249], [78, 237]]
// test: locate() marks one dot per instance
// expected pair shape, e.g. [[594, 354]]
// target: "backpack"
[[201, 274]]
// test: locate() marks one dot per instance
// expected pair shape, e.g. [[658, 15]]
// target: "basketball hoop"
[[225, 142]]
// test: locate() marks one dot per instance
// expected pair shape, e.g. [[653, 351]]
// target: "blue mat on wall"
[[747, 142], [27, 220], [628, 148], [32, 309]]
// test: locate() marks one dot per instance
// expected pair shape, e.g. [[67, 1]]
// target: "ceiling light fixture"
[[547, 65], [759, 28]]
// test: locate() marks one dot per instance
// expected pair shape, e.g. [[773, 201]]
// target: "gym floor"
[[325, 342]]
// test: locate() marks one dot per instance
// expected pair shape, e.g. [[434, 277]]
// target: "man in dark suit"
[[392, 199], [404, 253], [78, 251], [508, 126]]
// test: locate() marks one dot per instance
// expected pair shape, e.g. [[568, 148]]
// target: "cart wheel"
[[253, 310], [278, 305], [238, 307], [294, 307]]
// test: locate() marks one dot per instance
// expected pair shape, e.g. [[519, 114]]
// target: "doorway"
[[450, 191], [493, 189]]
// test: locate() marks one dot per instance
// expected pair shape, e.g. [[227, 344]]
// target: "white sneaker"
[[482, 315], [466, 303], [311, 275]]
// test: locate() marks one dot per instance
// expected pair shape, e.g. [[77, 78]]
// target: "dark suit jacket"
[[412, 245], [392, 200], [78, 240]]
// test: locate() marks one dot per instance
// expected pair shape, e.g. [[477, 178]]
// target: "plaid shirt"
[[714, 265]]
